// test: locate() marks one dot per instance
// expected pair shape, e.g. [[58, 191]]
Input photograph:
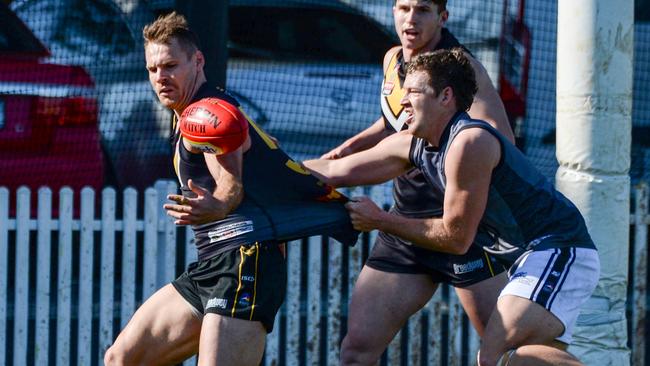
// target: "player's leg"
[[231, 341], [390, 288], [541, 302], [479, 300], [517, 321], [163, 331], [242, 304], [380, 305], [540, 355]]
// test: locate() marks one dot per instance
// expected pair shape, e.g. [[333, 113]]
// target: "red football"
[[214, 126]]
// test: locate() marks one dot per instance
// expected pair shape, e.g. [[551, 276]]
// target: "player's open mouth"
[[411, 33], [409, 118]]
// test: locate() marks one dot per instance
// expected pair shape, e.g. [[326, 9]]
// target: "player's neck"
[[438, 127], [190, 96]]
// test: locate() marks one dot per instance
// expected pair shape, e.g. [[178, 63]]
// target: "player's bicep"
[[468, 169]]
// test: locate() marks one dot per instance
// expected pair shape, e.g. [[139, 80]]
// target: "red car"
[[48, 116]]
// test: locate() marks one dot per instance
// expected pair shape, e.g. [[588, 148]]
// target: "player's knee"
[[113, 357], [117, 355], [357, 351], [488, 359]]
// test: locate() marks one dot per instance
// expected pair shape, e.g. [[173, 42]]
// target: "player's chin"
[[167, 101]]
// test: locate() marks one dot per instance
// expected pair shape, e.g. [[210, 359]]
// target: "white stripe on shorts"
[[559, 279]]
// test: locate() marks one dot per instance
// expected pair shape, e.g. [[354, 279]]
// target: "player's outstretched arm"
[[362, 141], [385, 161], [487, 104]]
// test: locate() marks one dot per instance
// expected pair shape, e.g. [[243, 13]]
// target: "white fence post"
[[43, 275], [107, 273], [129, 251], [150, 249], [314, 249], [294, 254], [334, 306], [64, 281], [86, 264], [436, 308], [21, 307], [166, 234]]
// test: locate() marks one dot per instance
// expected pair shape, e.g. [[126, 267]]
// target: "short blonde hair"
[[168, 27]]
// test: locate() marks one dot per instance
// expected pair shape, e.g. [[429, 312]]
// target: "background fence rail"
[[68, 285]]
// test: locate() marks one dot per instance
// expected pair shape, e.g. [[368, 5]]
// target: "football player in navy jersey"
[[488, 187], [399, 278]]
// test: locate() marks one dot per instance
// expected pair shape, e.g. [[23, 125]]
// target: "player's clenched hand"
[[193, 211], [364, 214], [336, 153]]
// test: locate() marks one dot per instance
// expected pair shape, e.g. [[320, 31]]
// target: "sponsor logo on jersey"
[[228, 231], [216, 303], [248, 278], [468, 267], [245, 299]]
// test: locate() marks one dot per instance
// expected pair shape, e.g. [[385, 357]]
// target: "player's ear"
[[200, 60], [444, 15]]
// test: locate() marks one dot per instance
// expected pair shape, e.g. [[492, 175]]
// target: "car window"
[[292, 34], [15, 37], [79, 31]]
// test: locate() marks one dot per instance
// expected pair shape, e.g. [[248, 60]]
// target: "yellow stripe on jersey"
[[269, 141], [296, 167]]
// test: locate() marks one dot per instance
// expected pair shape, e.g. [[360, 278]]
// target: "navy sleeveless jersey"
[[410, 193], [523, 209], [281, 200]]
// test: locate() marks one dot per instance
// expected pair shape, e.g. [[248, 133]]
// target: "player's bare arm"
[[370, 136], [385, 161], [487, 104], [360, 142]]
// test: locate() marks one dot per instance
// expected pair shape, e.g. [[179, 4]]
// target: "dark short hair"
[[168, 27], [448, 68], [442, 4]]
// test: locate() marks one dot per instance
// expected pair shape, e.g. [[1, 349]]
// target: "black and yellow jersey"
[[281, 200], [411, 193]]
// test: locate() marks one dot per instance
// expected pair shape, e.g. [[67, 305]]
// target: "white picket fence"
[[59, 285]]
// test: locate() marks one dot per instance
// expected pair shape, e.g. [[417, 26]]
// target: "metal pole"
[[209, 20], [594, 105]]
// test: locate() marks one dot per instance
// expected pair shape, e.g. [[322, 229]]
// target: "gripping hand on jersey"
[[365, 214], [202, 209]]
